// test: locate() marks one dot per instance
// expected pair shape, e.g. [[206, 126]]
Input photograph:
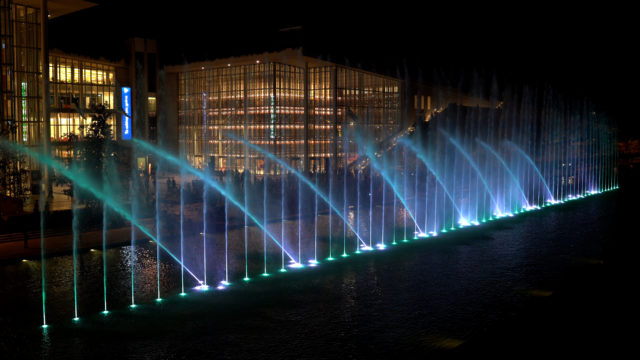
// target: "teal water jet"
[[208, 181], [386, 178], [506, 167], [533, 164], [76, 234], [473, 165], [427, 164], [104, 254], [84, 183], [301, 177], [42, 255]]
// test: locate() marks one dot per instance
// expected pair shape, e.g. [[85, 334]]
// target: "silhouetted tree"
[[12, 175], [91, 152]]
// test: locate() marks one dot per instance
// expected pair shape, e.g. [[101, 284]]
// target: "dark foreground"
[[556, 281]]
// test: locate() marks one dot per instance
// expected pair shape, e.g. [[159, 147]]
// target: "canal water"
[[543, 280]]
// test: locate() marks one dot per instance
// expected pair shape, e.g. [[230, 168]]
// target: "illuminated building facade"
[[21, 89], [24, 111], [39, 109], [78, 83], [301, 109], [20, 72]]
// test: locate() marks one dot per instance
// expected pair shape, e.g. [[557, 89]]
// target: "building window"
[[265, 104], [78, 83]]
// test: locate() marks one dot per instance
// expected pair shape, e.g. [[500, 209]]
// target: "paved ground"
[[61, 244]]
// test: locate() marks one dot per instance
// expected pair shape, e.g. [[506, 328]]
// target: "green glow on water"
[[83, 182], [406, 240]]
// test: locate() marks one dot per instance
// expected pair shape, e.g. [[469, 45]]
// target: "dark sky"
[[582, 51]]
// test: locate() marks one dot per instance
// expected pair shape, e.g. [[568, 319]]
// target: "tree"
[[92, 151], [12, 174]]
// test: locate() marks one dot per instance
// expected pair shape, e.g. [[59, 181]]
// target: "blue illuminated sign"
[[126, 117]]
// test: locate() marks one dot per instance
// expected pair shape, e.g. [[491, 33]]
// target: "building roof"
[[58, 7], [293, 57], [288, 56], [63, 54]]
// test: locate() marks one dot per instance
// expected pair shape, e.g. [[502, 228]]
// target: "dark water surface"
[[541, 282]]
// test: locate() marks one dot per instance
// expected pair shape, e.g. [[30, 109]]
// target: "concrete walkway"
[[61, 244]]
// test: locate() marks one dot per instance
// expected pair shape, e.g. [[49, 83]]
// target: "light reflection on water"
[[451, 286]]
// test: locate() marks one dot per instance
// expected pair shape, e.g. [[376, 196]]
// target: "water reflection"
[[426, 289]]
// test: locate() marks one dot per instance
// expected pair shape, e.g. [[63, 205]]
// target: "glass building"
[[304, 111], [21, 66], [23, 56], [75, 82], [21, 115]]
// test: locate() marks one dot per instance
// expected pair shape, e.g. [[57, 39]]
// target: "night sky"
[[584, 52]]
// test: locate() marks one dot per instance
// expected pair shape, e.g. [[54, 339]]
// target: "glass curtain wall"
[[7, 79], [74, 81], [265, 103], [27, 70], [322, 117], [20, 92]]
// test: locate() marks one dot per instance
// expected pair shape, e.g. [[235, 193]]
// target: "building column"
[[306, 118], [246, 122], [46, 123], [274, 118], [334, 109]]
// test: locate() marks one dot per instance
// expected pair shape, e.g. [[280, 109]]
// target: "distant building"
[[302, 109], [73, 82]]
